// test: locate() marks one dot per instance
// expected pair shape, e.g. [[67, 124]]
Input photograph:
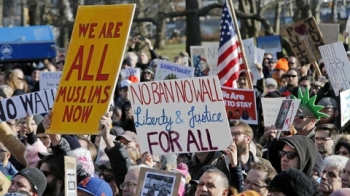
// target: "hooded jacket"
[[307, 153]]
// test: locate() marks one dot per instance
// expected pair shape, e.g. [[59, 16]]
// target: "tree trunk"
[[160, 35], [74, 4], [249, 27], [34, 11], [63, 38], [193, 32], [278, 14], [1, 13], [334, 11], [302, 10]]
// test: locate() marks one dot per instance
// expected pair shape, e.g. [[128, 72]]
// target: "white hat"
[[125, 83]]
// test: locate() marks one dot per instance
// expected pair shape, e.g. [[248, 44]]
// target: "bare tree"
[[1, 13]]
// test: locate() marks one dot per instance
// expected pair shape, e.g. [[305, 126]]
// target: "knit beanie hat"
[[248, 193], [182, 168], [36, 178], [292, 182], [282, 64]]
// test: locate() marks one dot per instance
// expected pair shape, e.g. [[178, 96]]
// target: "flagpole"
[[249, 78]]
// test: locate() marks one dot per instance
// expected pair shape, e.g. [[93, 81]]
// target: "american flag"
[[230, 56]]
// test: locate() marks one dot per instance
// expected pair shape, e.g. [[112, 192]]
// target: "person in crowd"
[[304, 69], [331, 175], [305, 82], [132, 58], [298, 152], [293, 62], [270, 68], [123, 93], [212, 182], [5, 165], [324, 138], [147, 74], [270, 85], [291, 182], [330, 107], [31, 180], [107, 175], [280, 69], [293, 77], [342, 145], [54, 177], [183, 157]]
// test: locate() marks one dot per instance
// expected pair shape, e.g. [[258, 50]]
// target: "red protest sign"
[[240, 104]]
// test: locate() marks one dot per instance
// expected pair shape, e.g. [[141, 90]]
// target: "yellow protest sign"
[[91, 69]]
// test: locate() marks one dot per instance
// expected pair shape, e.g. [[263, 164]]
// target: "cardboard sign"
[[70, 176], [271, 44], [179, 116], [286, 114], [240, 105], [212, 51], [330, 32], [131, 71], [304, 38], [337, 66], [344, 107], [200, 61], [158, 182], [271, 107], [167, 71], [49, 80], [35, 103], [259, 55], [101, 154], [250, 53], [91, 69]]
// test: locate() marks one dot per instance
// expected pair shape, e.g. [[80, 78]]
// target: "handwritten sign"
[[35, 103], [259, 55], [131, 71], [271, 44], [240, 105], [271, 107], [344, 107], [200, 61], [92, 66], [179, 116], [304, 38], [212, 51], [286, 114], [250, 52], [330, 32], [49, 80], [70, 176], [167, 71], [337, 66]]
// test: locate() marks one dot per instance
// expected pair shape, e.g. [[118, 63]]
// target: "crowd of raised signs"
[[312, 158]]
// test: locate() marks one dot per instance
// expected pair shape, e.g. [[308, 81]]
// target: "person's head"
[[259, 177], [333, 167], [44, 138], [134, 155], [88, 145], [129, 139], [4, 154], [15, 79], [304, 120], [305, 81], [148, 74], [324, 138], [330, 107], [106, 174], [291, 182], [271, 64], [35, 75], [178, 60], [270, 84], [242, 81], [133, 58], [31, 180], [297, 152], [292, 77], [129, 185], [281, 68], [345, 177], [342, 145], [303, 69], [23, 125], [183, 158], [284, 81], [267, 58], [126, 63], [242, 135], [293, 62], [142, 57], [124, 89], [213, 183], [91, 186], [54, 177]]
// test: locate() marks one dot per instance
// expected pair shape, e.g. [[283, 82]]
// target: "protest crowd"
[[311, 158]]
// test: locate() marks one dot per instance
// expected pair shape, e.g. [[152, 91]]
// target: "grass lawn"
[[172, 50]]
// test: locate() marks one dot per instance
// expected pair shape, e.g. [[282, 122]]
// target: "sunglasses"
[[293, 76], [290, 155], [302, 116], [344, 153], [267, 58], [286, 133]]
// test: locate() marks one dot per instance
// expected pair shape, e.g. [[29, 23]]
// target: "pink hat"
[[182, 168]]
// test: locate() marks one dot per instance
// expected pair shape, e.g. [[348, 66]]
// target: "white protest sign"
[[167, 71], [49, 80], [212, 50], [131, 71], [70, 176], [347, 28], [330, 32], [271, 107], [286, 114], [259, 55], [249, 49], [337, 66], [35, 103], [180, 116], [101, 155], [344, 107]]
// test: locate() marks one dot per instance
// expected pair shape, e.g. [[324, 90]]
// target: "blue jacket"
[[9, 170]]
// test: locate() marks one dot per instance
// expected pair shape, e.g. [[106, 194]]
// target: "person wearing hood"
[[298, 152]]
